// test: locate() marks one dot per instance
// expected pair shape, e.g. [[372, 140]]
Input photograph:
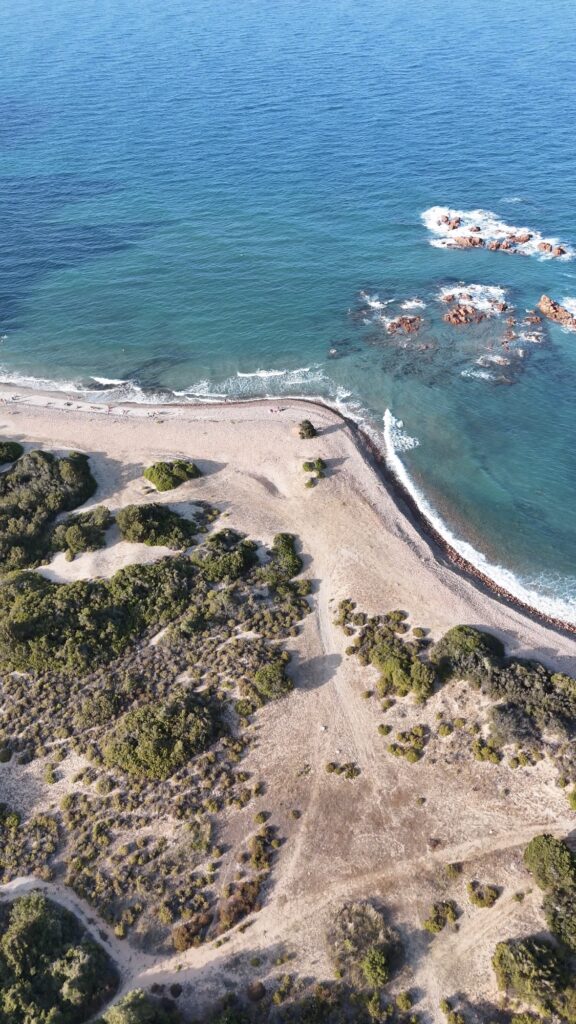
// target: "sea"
[[231, 199]]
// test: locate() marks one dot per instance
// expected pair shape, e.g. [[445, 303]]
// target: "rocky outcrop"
[[463, 314], [405, 324], [554, 311], [468, 241]]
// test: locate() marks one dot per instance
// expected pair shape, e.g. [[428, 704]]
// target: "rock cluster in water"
[[554, 311], [512, 242], [404, 324]]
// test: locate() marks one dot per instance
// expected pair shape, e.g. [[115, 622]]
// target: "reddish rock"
[[454, 223], [463, 314], [475, 228], [554, 311], [406, 324], [544, 247], [494, 245], [558, 250], [468, 241], [500, 307]]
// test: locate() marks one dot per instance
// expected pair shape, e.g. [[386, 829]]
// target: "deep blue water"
[[189, 191]]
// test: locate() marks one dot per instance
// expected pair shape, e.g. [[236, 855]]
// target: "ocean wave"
[[413, 304], [273, 373], [528, 591], [491, 229], [106, 381]]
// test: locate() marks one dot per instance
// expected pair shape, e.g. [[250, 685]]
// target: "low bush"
[[482, 895], [32, 493], [306, 430], [467, 653], [167, 475], [441, 913], [551, 862], [73, 626], [531, 970], [82, 532], [138, 1007], [363, 947], [154, 740], [51, 969], [10, 451], [156, 525]]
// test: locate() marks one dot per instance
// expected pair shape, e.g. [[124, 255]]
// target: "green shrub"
[[138, 1007], [73, 626], [82, 532], [154, 740], [441, 913], [271, 681], [306, 430], [362, 946], [560, 912], [155, 525], [32, 493], [467, 653], [374, 966], [10, 451], [51, 969], [551, 862], [530, 970], [167, 475], [226, 556], [482, 895]]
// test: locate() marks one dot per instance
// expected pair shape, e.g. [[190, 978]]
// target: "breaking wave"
[[484, 297]]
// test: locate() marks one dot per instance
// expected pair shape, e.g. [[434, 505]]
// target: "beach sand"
[[370, 837]]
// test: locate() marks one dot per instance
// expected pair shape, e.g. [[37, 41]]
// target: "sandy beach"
[[361, 839]]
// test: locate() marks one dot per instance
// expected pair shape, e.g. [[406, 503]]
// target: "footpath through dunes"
[[387, 833]]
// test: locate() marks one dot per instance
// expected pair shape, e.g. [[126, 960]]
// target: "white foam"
[[374, 301], [563, 608], [493, 358], [413, 304], [478, 374], [483, 297], [263, 374], [534, 337], [569, 304], [109, 380], [492, 229]]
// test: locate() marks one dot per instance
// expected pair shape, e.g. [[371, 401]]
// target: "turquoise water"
[[194, 196]]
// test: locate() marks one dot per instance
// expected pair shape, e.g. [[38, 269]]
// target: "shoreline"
[[368, 449]]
